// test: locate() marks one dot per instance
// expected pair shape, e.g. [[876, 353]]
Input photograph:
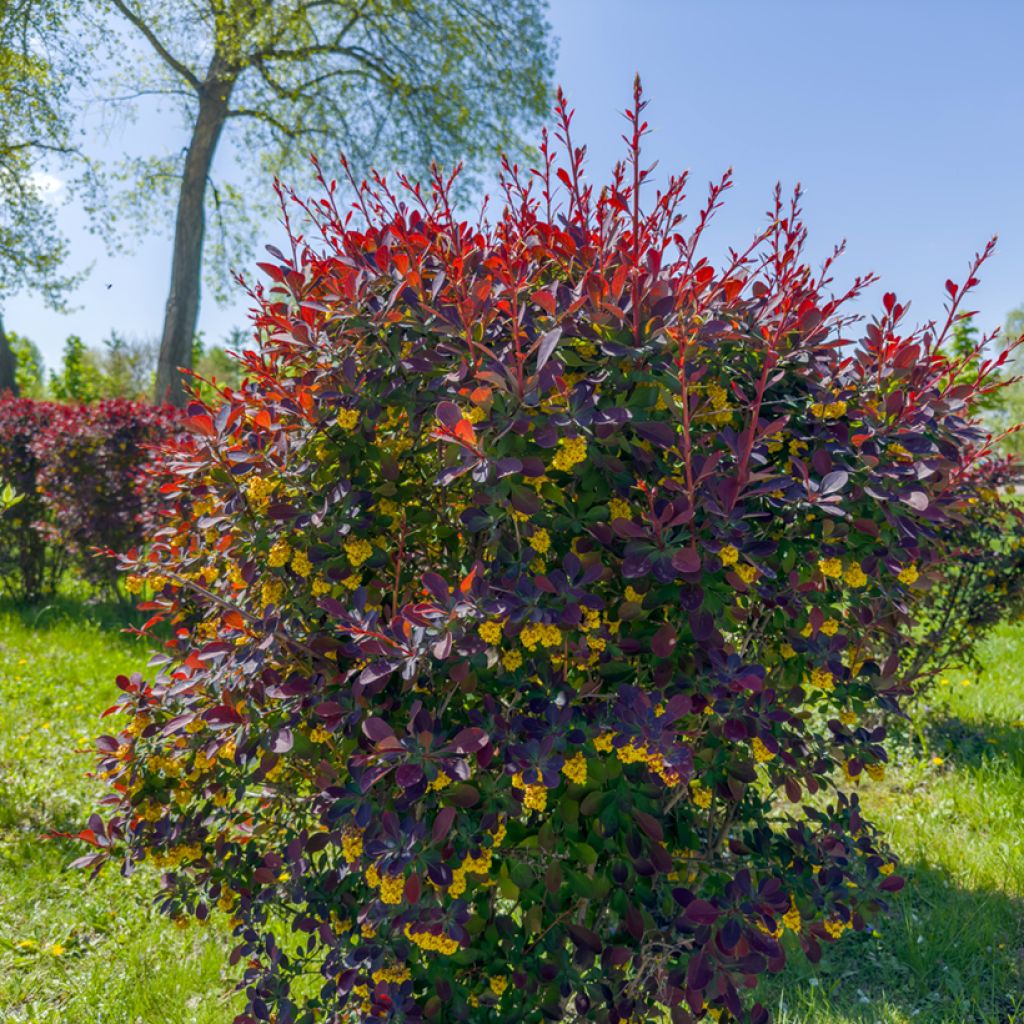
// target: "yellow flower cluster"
[[855, 576], [830, 627], [442, 944], [497, 984], [473, 866], [351, 843], [835, 927], [320, 586], [831, 567], [791, 918], [395, 974], [358, 550], [348, 418], [442, 781], [828, 410], [591, 620], [543, 633], [634, 753], [535, 797], [700, 795], [876, 771], [258, 490], [540, 541], [747, 573], [571, 451], [512, 661], [279, 553], [729, 555], [618, 508], [761, 752], [271, 592], [720, 403], [391, 888], [490, 632], [575, 769], [604, 742], [822, 678], [908, 575], [301, 564]]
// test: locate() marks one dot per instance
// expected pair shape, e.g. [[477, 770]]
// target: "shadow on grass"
[[942, 955], [72, 607], [973, 741]]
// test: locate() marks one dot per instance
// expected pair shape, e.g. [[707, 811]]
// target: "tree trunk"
[[182, 310], [8, 364]]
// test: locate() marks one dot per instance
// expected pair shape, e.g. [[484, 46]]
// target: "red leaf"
[[443, 823]]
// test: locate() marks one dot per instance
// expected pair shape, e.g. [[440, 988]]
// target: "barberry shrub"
[[100, 478], [29, 567], [523, 604], [978, 584], [90, 479]]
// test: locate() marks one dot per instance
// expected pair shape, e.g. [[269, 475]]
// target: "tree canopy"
[[385, 81]]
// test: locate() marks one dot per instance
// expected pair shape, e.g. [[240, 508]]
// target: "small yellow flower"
[[830, 627], [729, 555], [301, 564], [391, 888], [761, 752], [855, 576], [358, 550], [490, 632], [747, 573], [540, 541], [512, 661], [831, 567], [571, 452], [497, 984], [575, 769], [619, 509], [908, 575], [822, 678], [700, 795], [348, 418]]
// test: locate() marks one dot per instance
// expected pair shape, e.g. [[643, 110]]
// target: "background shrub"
[[90, 481], [29, 567], [526, 602], [979, 582]]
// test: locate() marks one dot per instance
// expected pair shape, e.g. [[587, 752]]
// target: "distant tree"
[[33, 127], [126, 367], [387, 81], [78, 377], [1011, 410], [30, 373]]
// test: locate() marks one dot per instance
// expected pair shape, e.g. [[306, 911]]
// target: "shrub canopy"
[[525, 605]]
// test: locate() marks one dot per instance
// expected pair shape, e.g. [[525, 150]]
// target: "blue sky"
[[901, 119]]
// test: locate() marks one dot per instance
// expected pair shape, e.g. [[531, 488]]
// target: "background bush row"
[[87, 478]]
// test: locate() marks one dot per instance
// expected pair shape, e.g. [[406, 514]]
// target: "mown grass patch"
[[74, 951]]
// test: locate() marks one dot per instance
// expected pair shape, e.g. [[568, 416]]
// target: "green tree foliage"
[[1010, 408], [29, 369], [420, 81], [77, 379], [34, 132]]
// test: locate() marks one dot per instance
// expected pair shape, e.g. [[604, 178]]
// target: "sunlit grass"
[[74, 951]]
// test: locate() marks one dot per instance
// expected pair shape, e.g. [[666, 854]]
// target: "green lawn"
[[77, 952]]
